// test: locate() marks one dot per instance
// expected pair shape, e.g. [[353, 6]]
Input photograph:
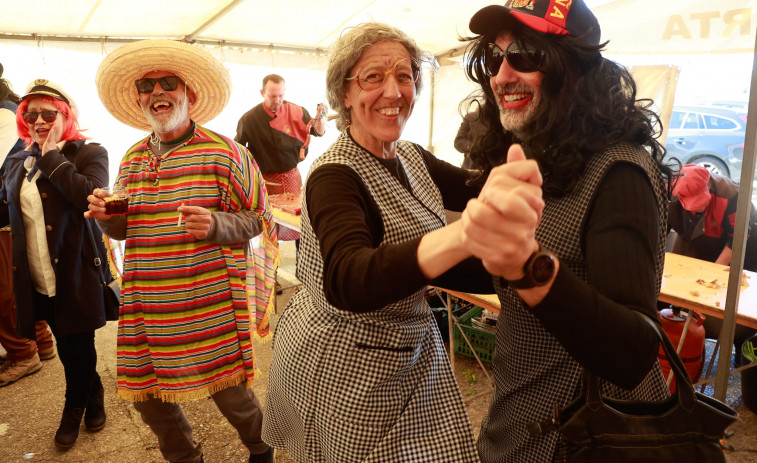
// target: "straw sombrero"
[[202, 73]]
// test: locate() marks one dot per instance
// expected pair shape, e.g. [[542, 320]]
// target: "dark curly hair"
[[587, 104]]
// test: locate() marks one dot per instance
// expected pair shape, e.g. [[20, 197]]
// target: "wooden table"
[[701, 286], [286, 209], [283, 216], [286, 219], [487, 301]]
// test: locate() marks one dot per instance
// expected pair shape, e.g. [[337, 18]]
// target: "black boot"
[[68, 431], [265, 457], [94, 417]]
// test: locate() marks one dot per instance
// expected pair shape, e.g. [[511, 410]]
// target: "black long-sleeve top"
[[594, 321], [360, 274]]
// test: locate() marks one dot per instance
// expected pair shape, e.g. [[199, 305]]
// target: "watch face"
[[542, 268]]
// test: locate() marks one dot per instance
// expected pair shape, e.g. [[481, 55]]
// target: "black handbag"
[[111, 288], [686, 427]]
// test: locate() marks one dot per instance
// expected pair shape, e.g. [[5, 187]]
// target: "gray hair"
[[348, 49]]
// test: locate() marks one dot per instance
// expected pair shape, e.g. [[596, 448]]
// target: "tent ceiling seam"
[[199, 41]]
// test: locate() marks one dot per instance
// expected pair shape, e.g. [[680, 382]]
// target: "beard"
[[514, 120], [169, 120]]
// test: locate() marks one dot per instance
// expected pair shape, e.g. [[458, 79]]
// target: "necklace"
[[159, 151], [154, 140], [155, 161]]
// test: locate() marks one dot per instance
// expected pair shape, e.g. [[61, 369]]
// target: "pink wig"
[[71, 130]]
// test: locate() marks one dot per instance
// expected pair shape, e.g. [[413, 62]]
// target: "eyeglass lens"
[[30, 117], [520, 60], [373, 75], [167, 83]]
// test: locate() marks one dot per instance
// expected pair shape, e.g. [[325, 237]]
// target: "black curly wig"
[[587, 104]]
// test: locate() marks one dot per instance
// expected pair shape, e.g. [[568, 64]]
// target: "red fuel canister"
[[692, 352]]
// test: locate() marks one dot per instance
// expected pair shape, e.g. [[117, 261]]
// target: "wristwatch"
[[539, 270]]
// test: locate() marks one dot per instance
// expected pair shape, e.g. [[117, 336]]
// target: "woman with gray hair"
[[359, 371]]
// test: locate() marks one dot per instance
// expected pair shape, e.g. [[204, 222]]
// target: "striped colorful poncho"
[[190, 306]]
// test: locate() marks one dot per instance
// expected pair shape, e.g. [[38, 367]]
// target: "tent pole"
[[739, 240], [189, 38]]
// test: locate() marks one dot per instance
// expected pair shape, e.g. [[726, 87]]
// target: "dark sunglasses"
[[167, 83], [30, 117], [527, 60]]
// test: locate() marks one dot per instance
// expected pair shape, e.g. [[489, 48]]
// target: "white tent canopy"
[[305, 26], [310, 26]]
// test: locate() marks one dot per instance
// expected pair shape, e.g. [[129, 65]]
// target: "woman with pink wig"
[[43, 196]]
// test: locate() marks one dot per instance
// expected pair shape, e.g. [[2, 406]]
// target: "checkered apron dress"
[[367, 387], [532, 371]]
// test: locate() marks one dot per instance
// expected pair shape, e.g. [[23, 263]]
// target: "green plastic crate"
[[481, 340]]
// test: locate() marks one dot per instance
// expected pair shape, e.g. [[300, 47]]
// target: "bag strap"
[[97, 260], [684, 389]]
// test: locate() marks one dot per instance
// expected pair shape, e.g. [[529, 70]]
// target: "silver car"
[[711, 136]]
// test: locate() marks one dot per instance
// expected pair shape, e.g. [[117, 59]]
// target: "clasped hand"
[[499, 226]]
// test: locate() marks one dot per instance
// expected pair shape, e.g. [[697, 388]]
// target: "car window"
[[676, 119], [690, 121], [718, 123]]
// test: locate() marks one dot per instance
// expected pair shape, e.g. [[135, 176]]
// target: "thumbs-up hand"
[[500, 225]]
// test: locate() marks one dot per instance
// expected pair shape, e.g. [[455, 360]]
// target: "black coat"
[[67, 178]]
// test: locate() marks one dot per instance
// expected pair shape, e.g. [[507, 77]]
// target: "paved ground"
[[30, 412]]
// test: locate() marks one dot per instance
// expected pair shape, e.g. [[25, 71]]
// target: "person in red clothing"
[[274, 131], [703, 214]]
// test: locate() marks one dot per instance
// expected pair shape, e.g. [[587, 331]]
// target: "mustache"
[[158, 98], [513, 88]]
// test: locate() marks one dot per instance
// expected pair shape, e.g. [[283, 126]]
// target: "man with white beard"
[[196, 198]]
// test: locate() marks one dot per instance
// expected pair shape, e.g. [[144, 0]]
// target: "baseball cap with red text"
[[558, 17]]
